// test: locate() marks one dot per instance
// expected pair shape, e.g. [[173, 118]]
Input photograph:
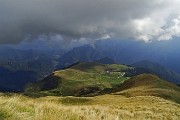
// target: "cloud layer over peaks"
[[92, 19]]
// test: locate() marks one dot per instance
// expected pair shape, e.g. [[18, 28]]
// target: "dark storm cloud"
[[92, 19]]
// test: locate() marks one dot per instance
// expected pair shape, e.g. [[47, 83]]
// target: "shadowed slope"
[[149, 85]]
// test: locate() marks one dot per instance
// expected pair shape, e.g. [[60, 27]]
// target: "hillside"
[[81, 79], [149, 85], [91, 78], [105, 107]]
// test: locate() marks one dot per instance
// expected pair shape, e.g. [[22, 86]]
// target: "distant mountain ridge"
[[20, 67], [85, 53], [159, 70], [15, 81], [44, 61], [127, 52]]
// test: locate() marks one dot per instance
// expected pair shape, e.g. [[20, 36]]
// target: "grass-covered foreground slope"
[[82, 79], [105, 107], [138, 98], [149, 85]]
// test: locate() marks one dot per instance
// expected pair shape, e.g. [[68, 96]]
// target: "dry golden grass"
[[145, 97], [149, 85], [106, 107]]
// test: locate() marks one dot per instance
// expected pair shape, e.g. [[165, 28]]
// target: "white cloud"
[[171, 30]]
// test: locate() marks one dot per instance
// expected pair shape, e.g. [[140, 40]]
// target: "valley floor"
[[105, 107]]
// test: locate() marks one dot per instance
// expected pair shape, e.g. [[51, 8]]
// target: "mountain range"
[[146, 58]]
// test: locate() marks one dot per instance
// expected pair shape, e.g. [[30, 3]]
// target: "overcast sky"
[[145, 20]]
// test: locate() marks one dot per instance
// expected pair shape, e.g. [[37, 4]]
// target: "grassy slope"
[[149, 85], [106, 107], [81, 79], [141, 97]]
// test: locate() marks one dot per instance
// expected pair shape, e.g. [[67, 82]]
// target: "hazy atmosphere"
[[89, 59]]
